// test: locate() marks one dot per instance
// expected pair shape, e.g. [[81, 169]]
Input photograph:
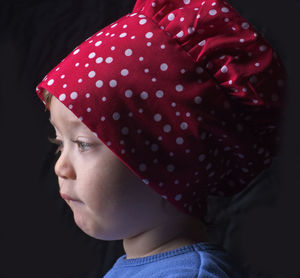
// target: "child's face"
[[113, 203]]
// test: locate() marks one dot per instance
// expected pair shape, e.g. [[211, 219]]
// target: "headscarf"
[[186, 93]]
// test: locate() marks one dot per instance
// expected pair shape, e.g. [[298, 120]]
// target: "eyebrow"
[[74, 123]]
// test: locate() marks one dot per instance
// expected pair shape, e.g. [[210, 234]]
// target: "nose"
[[64, 167]]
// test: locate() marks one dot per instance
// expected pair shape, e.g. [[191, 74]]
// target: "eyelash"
[[59, 144]]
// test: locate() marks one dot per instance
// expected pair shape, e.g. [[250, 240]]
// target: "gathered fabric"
[[186, 93]]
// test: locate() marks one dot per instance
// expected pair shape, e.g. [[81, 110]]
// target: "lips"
[[67, 197]]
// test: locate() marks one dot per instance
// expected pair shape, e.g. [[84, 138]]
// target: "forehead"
[[61, 115], [69, 122]]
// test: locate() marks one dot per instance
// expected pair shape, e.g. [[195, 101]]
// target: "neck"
[[166, 236]]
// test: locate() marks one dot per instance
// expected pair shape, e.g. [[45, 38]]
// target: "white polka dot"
[[149, 35], [112, 83], [262, 48], [124, 72], [99, 83], [80, 80], [245, 25], [116, 116], [191, 30], [148, 43], [199, 70], [98, 43], [225, 10], [70, 106], [128, 52], [62, 97], [50, 82], [123, 35], [179, 88], [186, 2], [197, 100], [145, 181], [128, 93], [178, 197], [153, 79], [201, 157], [257, 64], [142, 21], [76, 51], [179, 140], [103, 99], [202, 43], [171, 16], [62, 76], [208, 166], [163, 67], [167, 128], [113, 26], [74, 95], [184, 125], [146, 70], [159, 93], [242, 40], [92, 74], [113, 48], [162, 46], [154, 147], [77, 64], [92, 55], [144, 95], [89, 109], [108, 60], [224, 69], [180, 34], [125, 130], [157, 117], [142, 167], [65, 86], [212, 12], [170, 167], [99, 60], [141, 58]]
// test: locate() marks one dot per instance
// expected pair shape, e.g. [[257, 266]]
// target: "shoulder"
[[201, 263]]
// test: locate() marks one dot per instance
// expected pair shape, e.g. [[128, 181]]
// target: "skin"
[[112, 202]]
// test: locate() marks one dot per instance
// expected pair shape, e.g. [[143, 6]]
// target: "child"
[[169, 104]]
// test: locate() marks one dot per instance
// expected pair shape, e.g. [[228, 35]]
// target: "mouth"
[[68, 198]]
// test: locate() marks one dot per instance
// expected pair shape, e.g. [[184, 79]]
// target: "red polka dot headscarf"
[[186, 93]]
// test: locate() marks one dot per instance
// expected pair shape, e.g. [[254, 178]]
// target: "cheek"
[[100, 183]]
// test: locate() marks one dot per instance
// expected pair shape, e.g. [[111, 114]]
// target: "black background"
[[38, 236]]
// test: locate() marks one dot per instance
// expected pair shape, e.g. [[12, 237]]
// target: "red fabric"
[[186, 93]]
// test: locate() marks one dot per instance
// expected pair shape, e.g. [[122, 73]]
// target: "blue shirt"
[[200, 260]]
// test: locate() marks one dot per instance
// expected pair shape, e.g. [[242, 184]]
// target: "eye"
[[84, 146], [56, 142]]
